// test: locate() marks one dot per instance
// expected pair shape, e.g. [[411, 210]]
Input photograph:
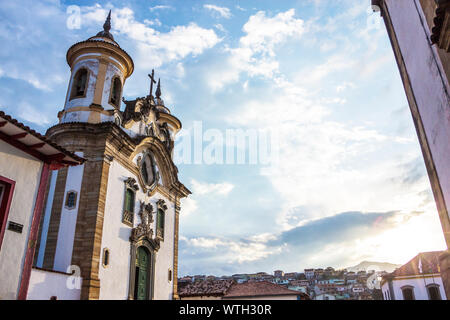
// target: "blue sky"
[[350, 183]]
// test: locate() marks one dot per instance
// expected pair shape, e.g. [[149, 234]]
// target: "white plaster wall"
[[45, 284], [429, 88], [92, 65], [26, 172], [419, 284], [111, 71], [47, 214], [68, 222], [114, 278]]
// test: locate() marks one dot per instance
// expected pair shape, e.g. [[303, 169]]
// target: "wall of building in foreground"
[[25, 170], [427, 89], [47, 284], [419, 284]]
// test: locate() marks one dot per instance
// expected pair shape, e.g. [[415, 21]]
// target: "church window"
[[128, 214], [129, 201], [116, 90], [79, 84], [433, 292], [408, 293], [148, 169], [160, 224], [106, 257], [71, 200]]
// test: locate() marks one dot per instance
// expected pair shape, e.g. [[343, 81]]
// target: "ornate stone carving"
[[131, 183], [144, 230], [161, 204]]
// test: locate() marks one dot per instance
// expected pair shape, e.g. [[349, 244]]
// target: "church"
[[109, 227]]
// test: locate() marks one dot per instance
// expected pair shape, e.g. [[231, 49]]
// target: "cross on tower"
[[152, 81]]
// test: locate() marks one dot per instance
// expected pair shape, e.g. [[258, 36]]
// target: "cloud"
[[155, 48], [340, 241], [201, 188], [161, 7], [255, 54], [30, 114], [221, 11]]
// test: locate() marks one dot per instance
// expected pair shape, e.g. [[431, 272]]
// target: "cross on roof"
[[152, 81]]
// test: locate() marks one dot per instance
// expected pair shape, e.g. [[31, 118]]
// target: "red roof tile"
[[32, 142], [430, 264], [261, 288], [204, 288]]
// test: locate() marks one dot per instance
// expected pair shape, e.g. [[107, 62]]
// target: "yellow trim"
[[99, 57], [74, 109], [100, 84], [106, 49]]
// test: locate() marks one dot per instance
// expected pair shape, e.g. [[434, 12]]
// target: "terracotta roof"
[[261, 288], [28, 140], [430, 264], [204, 288], [443, 9]]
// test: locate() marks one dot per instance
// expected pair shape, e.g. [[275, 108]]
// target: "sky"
[[346, 180]]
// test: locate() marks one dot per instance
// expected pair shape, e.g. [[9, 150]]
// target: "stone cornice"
[[106, 48]]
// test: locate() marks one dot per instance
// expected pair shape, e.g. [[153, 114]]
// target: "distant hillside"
[[377, 266]]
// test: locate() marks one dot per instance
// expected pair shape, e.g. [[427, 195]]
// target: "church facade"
[[112, 222]]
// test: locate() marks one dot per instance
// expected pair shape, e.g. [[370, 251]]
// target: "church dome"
[[106, 28]]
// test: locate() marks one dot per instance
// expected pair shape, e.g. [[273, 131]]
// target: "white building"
[[419, 279], [27, 159]]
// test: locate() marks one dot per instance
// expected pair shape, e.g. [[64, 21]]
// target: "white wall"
[[114, 278], [111, 71], [92, 65], [419, 284], [26, 172], [45, 284], [68, 220]]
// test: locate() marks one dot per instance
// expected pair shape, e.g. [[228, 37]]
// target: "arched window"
[[128, 214], [408, 293], [433, 292], [79, 84], [71, 200], [129, 201], [160, 224], [106, 257], [116, 90]]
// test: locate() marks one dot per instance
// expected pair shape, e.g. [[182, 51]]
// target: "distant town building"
[[309, 274], [278, 273]]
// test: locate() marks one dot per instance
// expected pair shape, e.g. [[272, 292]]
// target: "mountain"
[[377, 266]]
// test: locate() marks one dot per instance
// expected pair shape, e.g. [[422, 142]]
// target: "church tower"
[[113, 220], [99, 70]]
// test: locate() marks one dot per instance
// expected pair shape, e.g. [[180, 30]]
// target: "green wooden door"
[[142, 274]]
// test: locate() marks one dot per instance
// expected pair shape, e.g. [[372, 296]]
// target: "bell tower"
[[99, 69]]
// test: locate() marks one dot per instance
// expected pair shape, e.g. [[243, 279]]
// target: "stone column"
[[175, 253], [89, 228]]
